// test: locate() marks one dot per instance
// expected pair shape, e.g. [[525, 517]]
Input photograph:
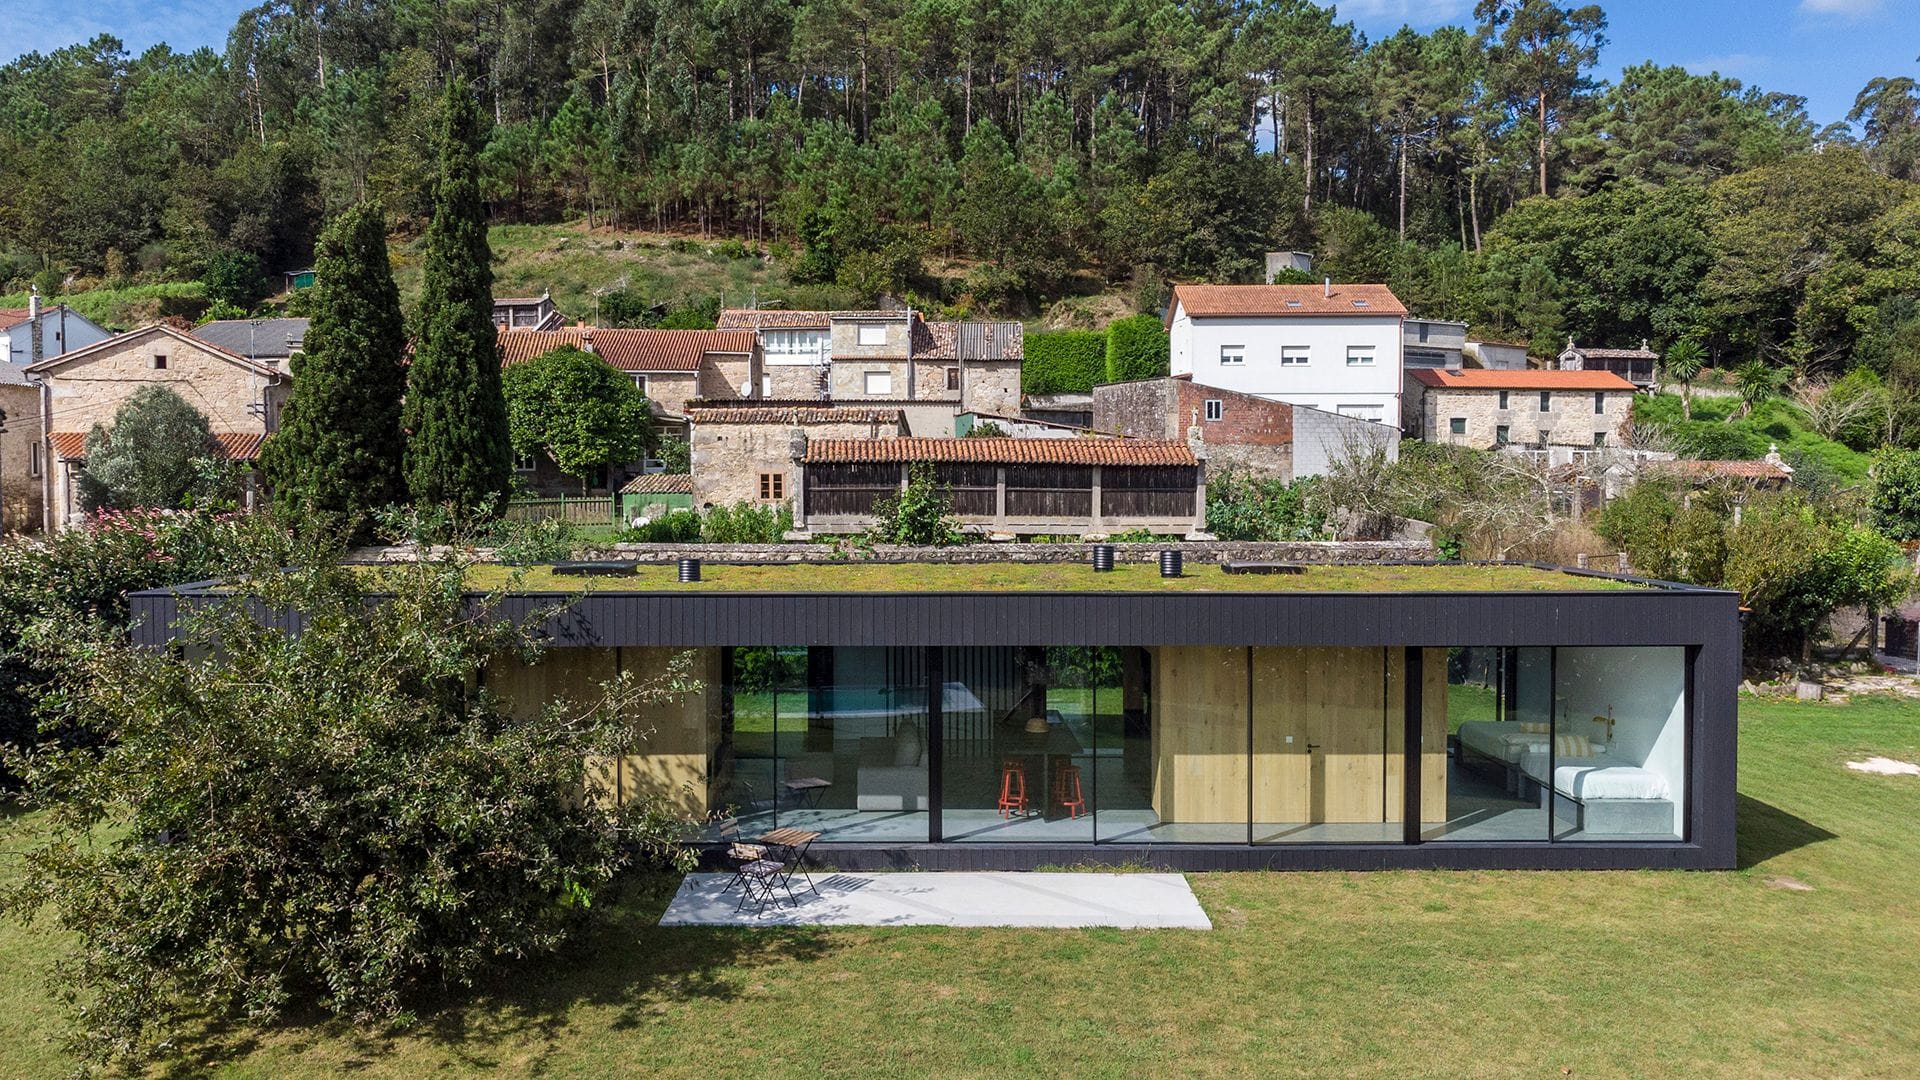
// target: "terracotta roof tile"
[[1617, 354], [791, 414], [1272, 300], [628, 350], [1003, 451], [1735, 470], [1495, 379], [236, 445], [771, 319], [659, 484], [12, 317]]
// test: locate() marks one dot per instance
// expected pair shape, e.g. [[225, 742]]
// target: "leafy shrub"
[[233, 277], [986, 429], [675, 527], [155, 455], [1896, 493], [676, 453], [342, 819], [1137, 348], [1244, 507], [746, 523], [921, 514], [528, 543], [1064, 362]]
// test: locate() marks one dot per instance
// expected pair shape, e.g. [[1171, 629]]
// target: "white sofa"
[[893, 772]]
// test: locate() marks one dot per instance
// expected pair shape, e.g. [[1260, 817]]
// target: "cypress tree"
[[458, 451], [338, 452]]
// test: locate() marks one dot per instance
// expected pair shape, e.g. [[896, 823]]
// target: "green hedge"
[[1064, 362], [1137, 348]]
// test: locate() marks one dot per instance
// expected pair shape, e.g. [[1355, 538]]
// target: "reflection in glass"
[[1497, 708], [1017, 762], [1618, 756]]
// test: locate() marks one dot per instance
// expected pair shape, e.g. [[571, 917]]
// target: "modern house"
[[1228, 429], [527, 313], [1008, 487], [1496, 355], [1337, 348], [268, 341], [1014, 716], [1434, 343], [23, 452], [240, 398], [897, 355], [34, 333], [1485, 409], [1638, 366]]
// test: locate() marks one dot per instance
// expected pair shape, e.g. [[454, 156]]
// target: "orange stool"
[[1066, 790], [1013, 788]]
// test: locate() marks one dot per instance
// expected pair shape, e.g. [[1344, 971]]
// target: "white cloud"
[[1849, 9], [1411, 12]]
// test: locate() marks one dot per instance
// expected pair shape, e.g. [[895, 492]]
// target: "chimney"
[[586, 342], [36, 332], [1329, 285]]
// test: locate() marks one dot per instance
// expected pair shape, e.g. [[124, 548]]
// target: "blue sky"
[[1825, 50]]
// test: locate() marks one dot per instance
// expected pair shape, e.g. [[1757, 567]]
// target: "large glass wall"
[[1202, 744]]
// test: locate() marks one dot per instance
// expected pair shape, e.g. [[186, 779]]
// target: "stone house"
[[672, 367], [750, 452], [1228, 429], [1638, 366], [240, 398], [23, 452], [1486, 409], [35, 332], [847, 356]]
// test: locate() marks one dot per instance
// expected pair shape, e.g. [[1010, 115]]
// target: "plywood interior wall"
[[1328, 736], [673, 737], [1200, 733]]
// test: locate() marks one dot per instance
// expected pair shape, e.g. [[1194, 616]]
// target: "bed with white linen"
[[1502, 740], [1614, 799]]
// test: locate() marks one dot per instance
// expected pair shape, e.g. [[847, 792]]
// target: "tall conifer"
[[456, 417], [338, 451]]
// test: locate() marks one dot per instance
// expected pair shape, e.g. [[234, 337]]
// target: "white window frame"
[[886, 389], [1295, 355], [1373, 414], [526, 463], [869, 334], [1233, 355], [1216, 409], [640, 382], [795, 346], [1360, 356]]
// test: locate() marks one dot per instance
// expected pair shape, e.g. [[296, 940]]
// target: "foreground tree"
[[574, 408], [158, 452], [341, 819], [338, 452], [458, 449]]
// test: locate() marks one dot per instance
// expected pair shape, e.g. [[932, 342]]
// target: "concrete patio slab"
[[1134, 901]]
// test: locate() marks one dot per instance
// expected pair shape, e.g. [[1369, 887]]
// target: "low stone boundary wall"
[[1208, 551]]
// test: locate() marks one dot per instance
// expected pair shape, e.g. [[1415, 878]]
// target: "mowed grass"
[[1041, 577], [1393, 974]]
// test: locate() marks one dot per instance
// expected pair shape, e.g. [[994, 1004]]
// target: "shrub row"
[[1075, 361]]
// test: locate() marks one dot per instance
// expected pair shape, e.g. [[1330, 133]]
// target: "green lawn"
[[1071, 577], [1421, 974]]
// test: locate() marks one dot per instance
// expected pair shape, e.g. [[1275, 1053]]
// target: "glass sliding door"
[[1618, 756], [1018, 743], [1496, 705], [860, 769]]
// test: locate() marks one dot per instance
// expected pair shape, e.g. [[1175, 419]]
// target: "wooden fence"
[[580, 510]]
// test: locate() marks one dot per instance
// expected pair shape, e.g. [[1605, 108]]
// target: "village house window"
[[1546, 437], [773, 486], [159, 362], [640, 382], [1500, 435], [953, 378], [1359, 356], [1599, 402], [1216, 408], [873, 333], [879, 383], [799, 344], [1546, 401], [1457, 425], [1293, 356], [1599, 438], [1233, 355], [1503, 399], [33, 460], [524, 463]]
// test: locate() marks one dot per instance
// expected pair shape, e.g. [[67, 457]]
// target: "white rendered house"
[[1338, 348], [34, 333]]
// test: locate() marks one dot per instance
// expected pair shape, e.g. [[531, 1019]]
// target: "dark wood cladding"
[[1147, 493], [1651, 617]]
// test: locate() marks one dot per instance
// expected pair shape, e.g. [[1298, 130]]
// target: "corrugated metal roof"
[[1002, 451], [761, 319]]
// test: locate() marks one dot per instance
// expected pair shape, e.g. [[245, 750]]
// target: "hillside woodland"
[[1055, 145]]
